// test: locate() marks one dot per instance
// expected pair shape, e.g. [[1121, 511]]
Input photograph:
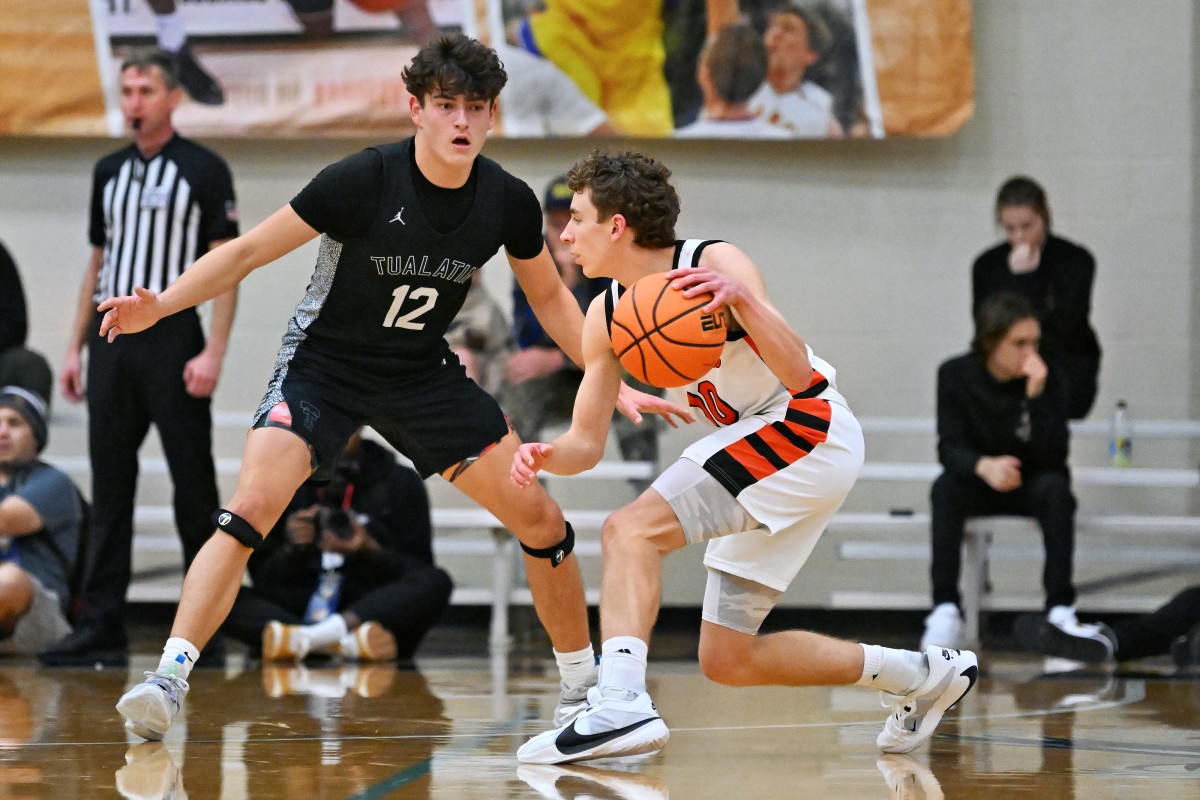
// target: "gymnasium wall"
[[866, 246]]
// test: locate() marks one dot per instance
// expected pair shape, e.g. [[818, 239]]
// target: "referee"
[[157, 205]]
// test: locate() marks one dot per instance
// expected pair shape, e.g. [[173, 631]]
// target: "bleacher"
[[1138, 527]]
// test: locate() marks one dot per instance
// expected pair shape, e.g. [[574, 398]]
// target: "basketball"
[[663, 338]]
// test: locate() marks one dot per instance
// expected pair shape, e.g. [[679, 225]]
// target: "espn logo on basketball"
[[712, 322]]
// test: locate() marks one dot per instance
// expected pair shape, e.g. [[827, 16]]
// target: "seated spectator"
[[349, 570], [1173, 628], [794, 40], [479, 336], [732, 66], [19, 366], [41, 522], [541, 382], [1053, 274], [1002, 443]]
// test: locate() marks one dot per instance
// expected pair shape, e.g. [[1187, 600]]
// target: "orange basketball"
[[663, 338]]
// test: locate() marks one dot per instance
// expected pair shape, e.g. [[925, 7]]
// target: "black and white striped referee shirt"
[[155, 217]]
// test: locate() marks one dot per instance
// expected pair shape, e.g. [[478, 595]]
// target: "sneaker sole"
[[376, 644], [139, 707], [274, 643], [648, 738], [1042, 637], [955, 691]]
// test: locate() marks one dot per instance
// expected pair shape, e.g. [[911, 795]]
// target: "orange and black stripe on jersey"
[[775, 446]]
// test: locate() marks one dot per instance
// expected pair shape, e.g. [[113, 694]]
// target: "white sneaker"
[[907, 778], [914, 716], [150, 774], [943, 628], [370, 641], [558, 782], [282, 642], [1060, 634], [150, 707], [572, 701], [609, 726]]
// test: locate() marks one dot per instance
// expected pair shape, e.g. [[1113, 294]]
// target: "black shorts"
[[435, 417]]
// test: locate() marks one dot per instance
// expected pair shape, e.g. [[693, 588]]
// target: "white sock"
[[893, 671], [575, 668], [178, 658], [170, 32], [328, 632], [349, 647], [623, 664]]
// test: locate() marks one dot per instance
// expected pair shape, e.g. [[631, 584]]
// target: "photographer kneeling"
[[348, 570]]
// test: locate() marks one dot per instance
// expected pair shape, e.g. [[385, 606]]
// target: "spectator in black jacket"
[[1056, 276], [19, 366], [1002, 443], [348, 570]]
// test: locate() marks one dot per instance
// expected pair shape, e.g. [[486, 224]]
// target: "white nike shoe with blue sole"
[[952, 673], [609, 727]]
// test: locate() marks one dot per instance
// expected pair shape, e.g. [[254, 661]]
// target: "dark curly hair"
[[636, 187], [455, 65]]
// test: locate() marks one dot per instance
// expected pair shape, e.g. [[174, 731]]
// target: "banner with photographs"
[[707, 69]]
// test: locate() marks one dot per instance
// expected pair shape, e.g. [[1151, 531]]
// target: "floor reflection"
[[450, 730]]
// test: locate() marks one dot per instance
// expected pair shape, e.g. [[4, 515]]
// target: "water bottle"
[[1120, 447]]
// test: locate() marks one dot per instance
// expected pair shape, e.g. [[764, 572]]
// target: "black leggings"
[[1043, 495], [1152, 634]]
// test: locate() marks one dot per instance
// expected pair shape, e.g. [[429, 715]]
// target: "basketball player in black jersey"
[[403, 227]]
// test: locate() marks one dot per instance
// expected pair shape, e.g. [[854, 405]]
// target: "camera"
[[334, 515]]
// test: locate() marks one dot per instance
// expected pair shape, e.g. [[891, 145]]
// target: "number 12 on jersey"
[[423, 299]]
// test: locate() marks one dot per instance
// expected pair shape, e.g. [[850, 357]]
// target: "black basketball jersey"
[[383, 300]]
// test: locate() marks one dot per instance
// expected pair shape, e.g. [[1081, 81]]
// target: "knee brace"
[[238, 528], [558, 553]]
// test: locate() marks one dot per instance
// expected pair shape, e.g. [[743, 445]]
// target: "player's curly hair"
[[633, 185], [455, 65]]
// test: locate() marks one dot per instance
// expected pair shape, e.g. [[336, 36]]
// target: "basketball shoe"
[[199, 84], [572, 701], [370, 641], [282, 642], [952, 673], [615, 723], [557, 782], [150, 707], [908, 779], [150, 772], [943, 627], [1092, 644]]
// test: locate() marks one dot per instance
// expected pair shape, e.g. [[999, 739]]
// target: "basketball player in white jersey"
[[760, 489]]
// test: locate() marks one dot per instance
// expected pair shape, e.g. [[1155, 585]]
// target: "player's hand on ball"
[[693, 281], [528, 459], [129, 313]]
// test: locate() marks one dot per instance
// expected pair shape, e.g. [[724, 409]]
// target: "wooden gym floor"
[[449, 728]]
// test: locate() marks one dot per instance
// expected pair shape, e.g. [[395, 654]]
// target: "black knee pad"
[[238, 528], [558, 553]]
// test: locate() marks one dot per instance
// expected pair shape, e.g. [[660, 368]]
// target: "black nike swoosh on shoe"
[[571, 742]]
